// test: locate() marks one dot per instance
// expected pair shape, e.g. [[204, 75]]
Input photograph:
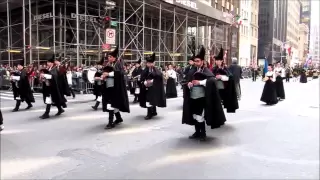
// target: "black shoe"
[[149, 113], [147, 117], [44, 116], [15, 110], [109, 126], [94, 108], [195, 135], [118, 118], [60, 112], [154, 111], [203, 135], [29, 106]]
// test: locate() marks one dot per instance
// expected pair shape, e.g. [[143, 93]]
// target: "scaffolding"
[[72, 28]]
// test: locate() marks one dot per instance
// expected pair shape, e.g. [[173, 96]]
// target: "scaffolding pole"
[[78, 38], [24, 29], [99, 32], [85, 32], [38, 56], [186, 41], [124, 25], [30, 32], [143, 21], [159, 40], [54, 25], [8, 24]]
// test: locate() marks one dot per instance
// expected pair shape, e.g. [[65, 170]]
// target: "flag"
[[265, 69]]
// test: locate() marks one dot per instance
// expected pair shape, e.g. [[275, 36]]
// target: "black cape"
[[23, 90], [229, 93], [53, 88], [97, 87], [119, 99], [279, 87], [269, 93], [214, 114], [63, 81], [155, 94]]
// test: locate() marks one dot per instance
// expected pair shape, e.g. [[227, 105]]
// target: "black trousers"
[[71, 90], [197, 106], [254, 77], [287, 78]]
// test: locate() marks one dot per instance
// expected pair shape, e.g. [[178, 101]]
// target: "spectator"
[[236, 71]]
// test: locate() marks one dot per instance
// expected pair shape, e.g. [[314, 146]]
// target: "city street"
[[257, 142]]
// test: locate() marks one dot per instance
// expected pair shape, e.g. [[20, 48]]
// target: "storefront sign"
[[44, 16], [83, 17], [188, 3]]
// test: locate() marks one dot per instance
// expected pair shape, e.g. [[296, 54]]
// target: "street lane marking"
[[15, 131], [279, 160], [188, 155]]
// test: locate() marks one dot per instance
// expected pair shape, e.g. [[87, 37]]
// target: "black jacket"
[[236, 71]]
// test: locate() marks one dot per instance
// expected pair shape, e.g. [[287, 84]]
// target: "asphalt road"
[[258, 142]]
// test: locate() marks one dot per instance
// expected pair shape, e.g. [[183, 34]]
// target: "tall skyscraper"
[[305, 14], [292, 38], [272, 29]]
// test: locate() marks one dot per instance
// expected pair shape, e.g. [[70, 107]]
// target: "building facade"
[[292, 39], [303, 43], [139, 27], [248, 32], [305, 15], [272, 29], [315, 44]]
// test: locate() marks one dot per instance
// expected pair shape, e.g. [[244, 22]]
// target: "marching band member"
[[114, 92], [21, 87], [269, 93], [278, 75], [62, 80], [225, 84], [52, 95], [152, 89], [171, 88], [135, 79], [201, 101], [98, 83]]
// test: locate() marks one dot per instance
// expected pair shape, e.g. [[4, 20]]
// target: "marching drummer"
[[97, 87], [135, 80]]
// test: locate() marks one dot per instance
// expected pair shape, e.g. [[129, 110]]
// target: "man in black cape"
[[52, 95], [114, 93], [98, 83], [152, 89], [135, 81], [228, 93], [201, 101], [62, 79], [21, 87]]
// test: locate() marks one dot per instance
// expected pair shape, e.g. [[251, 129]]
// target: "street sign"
[[114, 23], [110, 36]]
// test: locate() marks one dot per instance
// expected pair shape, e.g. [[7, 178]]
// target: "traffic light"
[[104, 22]]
